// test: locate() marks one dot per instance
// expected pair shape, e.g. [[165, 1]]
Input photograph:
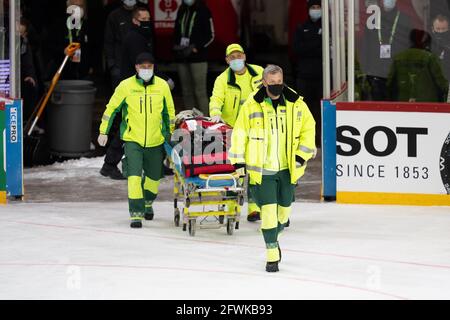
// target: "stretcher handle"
[[221, 175]]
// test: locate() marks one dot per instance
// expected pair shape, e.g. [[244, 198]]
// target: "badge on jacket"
[[385, 51], [77, 56]]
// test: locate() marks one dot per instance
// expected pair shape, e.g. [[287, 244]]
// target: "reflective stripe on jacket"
[[148, 112], [226, 97], [249, 141]]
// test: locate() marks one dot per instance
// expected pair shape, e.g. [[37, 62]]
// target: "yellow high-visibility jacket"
[[249, 141], [227, 96], [148, 112]]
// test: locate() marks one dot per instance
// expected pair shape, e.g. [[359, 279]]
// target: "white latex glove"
[[102, 139], [216, 119], [241, 172]]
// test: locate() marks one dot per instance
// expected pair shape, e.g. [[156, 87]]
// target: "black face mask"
[[275, 89], [442, 36], [145, 26]]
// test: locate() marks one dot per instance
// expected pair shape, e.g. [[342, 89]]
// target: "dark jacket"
[[134, 43], [27, 68], [60, 39], [195, 23], [441, 47], [308, 48], [118, 23], [371, 62]]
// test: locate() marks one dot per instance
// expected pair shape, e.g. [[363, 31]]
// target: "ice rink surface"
[[87, 251], [70, 239]]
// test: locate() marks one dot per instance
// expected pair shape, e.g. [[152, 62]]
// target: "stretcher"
[[209, 201]]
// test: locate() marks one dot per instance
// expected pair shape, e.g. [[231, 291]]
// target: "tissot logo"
[[351, 140]]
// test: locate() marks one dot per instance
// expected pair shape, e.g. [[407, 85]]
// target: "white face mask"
[[315, 14], [237, 64], [189, 2], [129, 3], [145, 74], [389, 4]]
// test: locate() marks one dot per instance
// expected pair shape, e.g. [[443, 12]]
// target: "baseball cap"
[[234, 47], [145, 57]]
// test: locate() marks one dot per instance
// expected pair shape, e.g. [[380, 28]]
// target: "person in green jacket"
[[273, 138], [416, 74], [231, 89], [148, 114]]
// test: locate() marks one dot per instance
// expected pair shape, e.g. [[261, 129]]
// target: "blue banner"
[[329, 150], [14, 149]]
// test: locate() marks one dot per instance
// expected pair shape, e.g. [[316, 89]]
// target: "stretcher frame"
[[229, 200]]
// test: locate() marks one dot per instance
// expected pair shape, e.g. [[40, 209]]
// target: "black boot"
[[149, 214], [272, 266], [137, 224], [112, 172], [254, 216]]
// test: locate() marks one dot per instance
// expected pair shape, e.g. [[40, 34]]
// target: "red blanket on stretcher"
[[204, 147]]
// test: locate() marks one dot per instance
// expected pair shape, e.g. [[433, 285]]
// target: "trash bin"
[[70, 118]]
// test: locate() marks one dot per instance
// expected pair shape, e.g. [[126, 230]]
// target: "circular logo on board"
[[444, 164]]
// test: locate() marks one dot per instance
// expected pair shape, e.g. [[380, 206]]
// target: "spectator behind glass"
[[139, 39], [441, 42], [72, 28], [416, 74], [379, 46], [308, 48], [118, 23], [142, 3], [194, 32], [29, 85]]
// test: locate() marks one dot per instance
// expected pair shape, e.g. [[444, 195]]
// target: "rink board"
[[393, 153]]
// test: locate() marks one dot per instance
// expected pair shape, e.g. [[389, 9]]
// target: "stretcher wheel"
[[221, 219], [192, 227], [176, 218], [237, 225], [230, 227], [184, 226], [241, 201]]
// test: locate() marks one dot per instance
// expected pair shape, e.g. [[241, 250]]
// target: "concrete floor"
[[80, 181]]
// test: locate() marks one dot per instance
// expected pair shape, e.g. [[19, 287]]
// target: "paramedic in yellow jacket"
[[147, 112], [273, 138], [231, 90]]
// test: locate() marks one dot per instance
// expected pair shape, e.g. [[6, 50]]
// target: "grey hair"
[[272, 69]]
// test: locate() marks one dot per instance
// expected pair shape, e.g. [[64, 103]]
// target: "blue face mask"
[[315, 14], [237, 65], [189, 2]]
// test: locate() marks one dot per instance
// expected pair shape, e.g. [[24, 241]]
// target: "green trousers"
[[252, 206], [274, 196], [144, 170]]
